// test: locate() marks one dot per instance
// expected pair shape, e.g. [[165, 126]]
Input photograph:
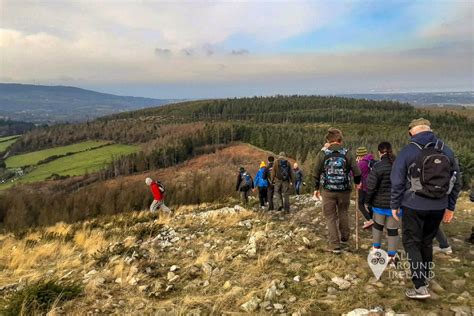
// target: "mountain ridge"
[[56, 104]]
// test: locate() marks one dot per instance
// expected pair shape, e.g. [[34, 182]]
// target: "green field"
[[78, 164], [33, 158], [5, 142]]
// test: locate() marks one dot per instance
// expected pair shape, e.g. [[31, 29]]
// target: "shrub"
[[40, 297]]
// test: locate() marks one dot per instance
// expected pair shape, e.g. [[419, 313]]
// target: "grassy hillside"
[[215, 259], [33, 158], [6, 142]]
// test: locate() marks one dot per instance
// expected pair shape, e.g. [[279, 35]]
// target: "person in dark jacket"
[[282, 177], [271, 187], [244, 184], [421, 215], [261, 183], [336, 190], [298, 178], [365, 161], [378, 197]]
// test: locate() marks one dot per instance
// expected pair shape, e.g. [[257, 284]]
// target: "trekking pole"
[[357, 218]]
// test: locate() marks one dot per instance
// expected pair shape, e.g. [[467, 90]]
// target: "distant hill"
[[52, 104], [422, 99]]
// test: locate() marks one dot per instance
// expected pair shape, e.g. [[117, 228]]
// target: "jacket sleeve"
[[398, 177], [373, 182], [239, 180], [354, 167], [318, 169], [453, 196]]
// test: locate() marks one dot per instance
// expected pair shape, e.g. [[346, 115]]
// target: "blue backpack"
[[336, 171], [247, 180]]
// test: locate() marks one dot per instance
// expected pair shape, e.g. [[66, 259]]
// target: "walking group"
[[415, 191], [275, 178]]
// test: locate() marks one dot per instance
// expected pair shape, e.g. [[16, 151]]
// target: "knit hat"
[[418, 122], [361, 151], [242, 169], [263, 164], [282, 154], [148, 181]]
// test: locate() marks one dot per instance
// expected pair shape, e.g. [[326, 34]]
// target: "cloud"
[[162, 52], [105, 43], [239, 52]]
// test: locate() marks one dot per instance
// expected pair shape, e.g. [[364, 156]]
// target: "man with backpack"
[[158, 191], [425, 185], [271, 188], [282, 177], [332, 175], [298, 178], [244, 184]]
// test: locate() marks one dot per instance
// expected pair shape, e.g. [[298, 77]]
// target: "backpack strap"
[[439, 145], [417, 145]]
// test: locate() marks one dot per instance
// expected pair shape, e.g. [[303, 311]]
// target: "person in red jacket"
[[158, 192]]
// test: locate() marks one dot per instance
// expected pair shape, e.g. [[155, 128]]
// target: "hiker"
[[298, 178], [158, 191], [365, 161], [282, 177], [378, 197], [244, 184], [261, 183], [333, 167], [444, 246], [271, 188], [425, 200]]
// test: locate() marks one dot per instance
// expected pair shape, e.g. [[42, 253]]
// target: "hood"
[[424, 138], [368, 157]]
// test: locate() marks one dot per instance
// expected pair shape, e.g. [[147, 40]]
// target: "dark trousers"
[[419, 228], [442, 239], [262, 195], [270, 191], [282, 191], [244, 195], [365, 210], [298, 185]]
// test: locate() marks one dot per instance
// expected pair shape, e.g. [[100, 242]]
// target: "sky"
[[211, 49]]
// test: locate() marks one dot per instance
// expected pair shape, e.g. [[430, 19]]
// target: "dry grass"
[[90, 241]]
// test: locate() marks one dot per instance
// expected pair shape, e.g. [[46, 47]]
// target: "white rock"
[[297, 278], [270, 294], [278, 306], [358, 312], [174, 268], [251, 305], [341, 283]]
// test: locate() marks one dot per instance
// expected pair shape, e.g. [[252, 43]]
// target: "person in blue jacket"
[[423, 211], [261, 183]]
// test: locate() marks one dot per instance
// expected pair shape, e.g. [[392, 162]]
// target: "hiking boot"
[[368, 224], [336, 251], [420, 293], [345, 242], [446, 251]]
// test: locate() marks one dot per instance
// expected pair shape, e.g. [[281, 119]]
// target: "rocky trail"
[[227, 259]]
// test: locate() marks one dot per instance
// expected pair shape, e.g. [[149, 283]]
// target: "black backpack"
[[430, 175], [161, 186], [284, 170], [336, 171]]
